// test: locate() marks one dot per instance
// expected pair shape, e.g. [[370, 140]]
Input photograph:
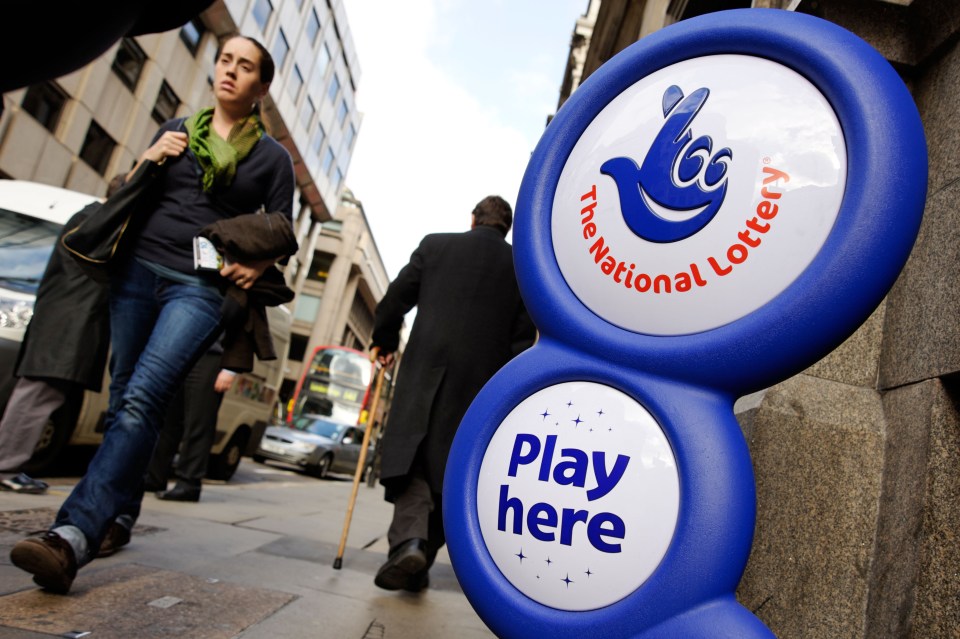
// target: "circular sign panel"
[[698, 194], [578, 496]]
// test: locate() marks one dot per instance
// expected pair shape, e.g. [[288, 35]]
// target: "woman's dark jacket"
[[470, 322]]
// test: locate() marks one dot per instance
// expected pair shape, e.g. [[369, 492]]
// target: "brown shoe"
[[117, 537], [49, 558]]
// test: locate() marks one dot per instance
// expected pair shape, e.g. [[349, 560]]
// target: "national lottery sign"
[[712, 211]]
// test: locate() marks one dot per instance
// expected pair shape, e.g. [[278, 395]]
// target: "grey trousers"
[[418, 514], [31, 404]]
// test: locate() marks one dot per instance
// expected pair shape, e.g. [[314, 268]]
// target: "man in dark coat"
[[63, 352], [470, 322]]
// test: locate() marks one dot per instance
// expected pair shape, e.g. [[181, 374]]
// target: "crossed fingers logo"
[[681, 184]]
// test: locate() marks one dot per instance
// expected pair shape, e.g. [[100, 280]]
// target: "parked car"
[[315, 444], [31, 216]]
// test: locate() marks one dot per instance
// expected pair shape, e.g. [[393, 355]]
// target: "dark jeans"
[[190, 425], [159, 328]]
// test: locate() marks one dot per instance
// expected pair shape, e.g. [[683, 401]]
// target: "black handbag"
[[98, 241]]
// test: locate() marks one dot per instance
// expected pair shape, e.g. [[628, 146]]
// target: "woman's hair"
[[267, 67], [493, 211]]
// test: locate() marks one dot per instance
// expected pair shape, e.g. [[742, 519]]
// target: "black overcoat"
[[470, 322], [69, 334]]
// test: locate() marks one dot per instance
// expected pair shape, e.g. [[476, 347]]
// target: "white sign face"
[[699, 194], [578, 496]]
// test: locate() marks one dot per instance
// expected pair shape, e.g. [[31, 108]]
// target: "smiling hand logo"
[[673, 176]]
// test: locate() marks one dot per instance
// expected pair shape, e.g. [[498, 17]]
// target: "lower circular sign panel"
[[578, 496]]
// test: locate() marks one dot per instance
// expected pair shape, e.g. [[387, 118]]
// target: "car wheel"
[[322, 467], [224, 465]]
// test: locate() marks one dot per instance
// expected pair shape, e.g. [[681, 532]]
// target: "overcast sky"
[[454, 95]]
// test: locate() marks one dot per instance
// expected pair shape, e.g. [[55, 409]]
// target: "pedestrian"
[[470, 322], [218, 164], [190, 426], [63, 352]]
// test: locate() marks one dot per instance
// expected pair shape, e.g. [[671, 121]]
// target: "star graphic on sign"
[[545, 414], [567, 580], [577, 421], [569, 404], [588, 573], [548, 561], [521, 555], [600, 412]]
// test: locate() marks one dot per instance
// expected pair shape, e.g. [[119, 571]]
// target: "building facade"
[[80, 130], [857, 460]]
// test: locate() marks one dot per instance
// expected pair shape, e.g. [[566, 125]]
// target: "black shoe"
[[25, 484], [404, 562], [117, 537], [154, 487], [417, 582], [49, 558], [180, 492]]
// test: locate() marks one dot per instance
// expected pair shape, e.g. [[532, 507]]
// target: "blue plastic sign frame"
[[688, 382]]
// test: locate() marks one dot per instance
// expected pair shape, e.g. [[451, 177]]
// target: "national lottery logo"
[[578, 496], [681, 184], [698, 194]]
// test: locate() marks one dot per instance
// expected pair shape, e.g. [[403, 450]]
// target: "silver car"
[[315, 444]]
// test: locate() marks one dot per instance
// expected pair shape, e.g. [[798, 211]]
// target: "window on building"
[[342, 112], [327, 161], [323, 60], [317, 140], [298, 346], [320, 266], [45, 103], [334, 88], [299, 4], [350, 136], [166, 105], [337, 179], [313, 27], [128, 64], [262, 10], [308, 306], [97, 149], [280, 49], [191, 34], [306, 112], [295, 83]]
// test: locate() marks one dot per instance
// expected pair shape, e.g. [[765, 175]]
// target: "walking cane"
[[378, 386]]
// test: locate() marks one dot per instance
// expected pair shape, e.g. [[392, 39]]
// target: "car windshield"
[[320, 427], [25, 246]]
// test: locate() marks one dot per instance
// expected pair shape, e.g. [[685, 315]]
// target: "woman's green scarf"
[[218, 157]]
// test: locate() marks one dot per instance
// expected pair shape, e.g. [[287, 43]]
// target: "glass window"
[[262, 10], [25, 246], [129, 62], [313, 27], [191, 34], [45, 103], [166, 105], [349, 137], [295, 83], [299, 4], [298, 345], [320, 267], [342, 112], [308, 307], [337, 179], [280, 49], [97, 149], [317, 140], [334, 88], [327, 161], [306, 112]]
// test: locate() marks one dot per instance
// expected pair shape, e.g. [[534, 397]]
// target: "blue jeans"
[[159, 329]]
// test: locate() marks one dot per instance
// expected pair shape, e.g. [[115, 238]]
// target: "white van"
[[31, 216]]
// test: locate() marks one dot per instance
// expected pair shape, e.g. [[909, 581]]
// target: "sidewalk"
[[253, 560]]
